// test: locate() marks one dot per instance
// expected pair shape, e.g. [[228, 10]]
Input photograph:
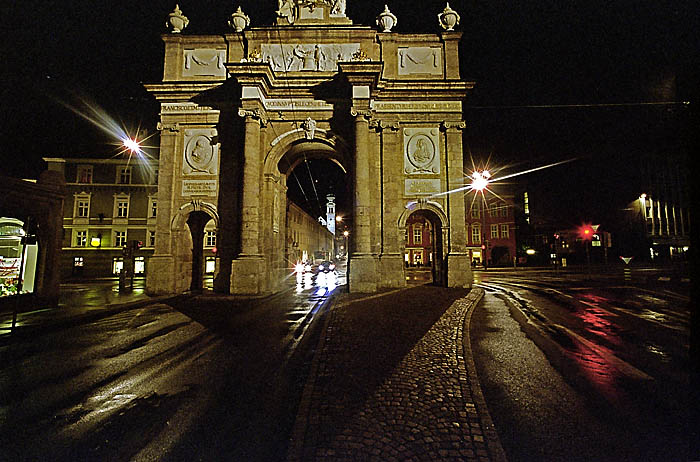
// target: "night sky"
[[547, 73]]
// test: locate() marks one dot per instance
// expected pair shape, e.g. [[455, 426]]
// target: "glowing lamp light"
[[345, 233], [132, 145], [586, 232], [530, 251], [95, 241], [480, 180]]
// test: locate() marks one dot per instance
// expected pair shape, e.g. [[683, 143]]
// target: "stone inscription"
[[296, 104], [421, 186], [307, 56], [421, 151], [420, 60], [187, 107], [417, 106], [198, 187]]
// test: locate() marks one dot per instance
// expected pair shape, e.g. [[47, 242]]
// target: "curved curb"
[[491, 436]]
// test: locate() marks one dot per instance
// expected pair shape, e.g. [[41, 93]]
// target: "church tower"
[[330, 213]]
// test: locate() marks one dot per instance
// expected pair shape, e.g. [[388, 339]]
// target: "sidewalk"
[[393, 380], [77, 303]]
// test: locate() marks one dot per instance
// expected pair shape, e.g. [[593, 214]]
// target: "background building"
[[109, 203], [307, 238], [419, 241], [491, 231]]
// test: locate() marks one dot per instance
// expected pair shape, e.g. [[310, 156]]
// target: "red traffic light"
[[586, 232]]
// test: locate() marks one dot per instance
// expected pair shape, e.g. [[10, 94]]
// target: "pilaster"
[[458, 268], [249, 269]]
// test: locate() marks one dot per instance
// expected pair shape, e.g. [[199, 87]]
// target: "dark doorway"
[[196, 222]]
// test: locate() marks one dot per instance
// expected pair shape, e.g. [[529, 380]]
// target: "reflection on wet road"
[[177, 381], [627, 345]]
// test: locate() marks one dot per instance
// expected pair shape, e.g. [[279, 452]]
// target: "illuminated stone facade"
[[240, 111]]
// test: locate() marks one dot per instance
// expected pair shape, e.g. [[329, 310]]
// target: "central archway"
[[289, 151]]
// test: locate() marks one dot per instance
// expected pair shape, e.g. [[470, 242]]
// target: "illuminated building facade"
[[239, 111], [306, 237], [108, 204]]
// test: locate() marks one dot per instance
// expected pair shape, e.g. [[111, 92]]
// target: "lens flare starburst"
[[130, 145], [481, 178]]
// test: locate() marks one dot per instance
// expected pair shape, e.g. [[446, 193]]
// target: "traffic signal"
[[586, 232]]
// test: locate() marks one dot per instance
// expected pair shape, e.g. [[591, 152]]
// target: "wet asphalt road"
[[191, 380], [606, 377]]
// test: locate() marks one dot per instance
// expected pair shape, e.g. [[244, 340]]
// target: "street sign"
[[626, 259]]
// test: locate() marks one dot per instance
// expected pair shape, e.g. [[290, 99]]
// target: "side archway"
[[194, 214], [424, 243]]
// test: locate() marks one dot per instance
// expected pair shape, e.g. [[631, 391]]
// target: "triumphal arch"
[[239, 111]]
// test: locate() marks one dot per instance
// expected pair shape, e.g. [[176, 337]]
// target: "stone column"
[[459, 272], [363, 266], [390, 258], [248, 270], [361, 233], [250, 232], [161, 267]]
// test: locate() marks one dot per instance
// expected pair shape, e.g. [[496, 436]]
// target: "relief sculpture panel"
[[421, 151], [420, 60], [201, 152], [204, 62], [307, 56]]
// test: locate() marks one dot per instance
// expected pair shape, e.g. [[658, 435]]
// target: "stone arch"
[[434, 213], [180, 219], [421, 204], [325, 141], [187, 227]]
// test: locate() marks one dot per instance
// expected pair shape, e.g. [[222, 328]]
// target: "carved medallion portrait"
[[421, 151], [200, 152]]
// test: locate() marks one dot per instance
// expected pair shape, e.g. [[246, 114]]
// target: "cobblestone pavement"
[[393, 380]]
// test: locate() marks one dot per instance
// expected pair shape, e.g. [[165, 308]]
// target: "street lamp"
[[347, 249], [480, 181]]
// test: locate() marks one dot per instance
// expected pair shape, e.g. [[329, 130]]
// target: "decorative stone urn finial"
[[448, 18], [177, 21], [239, 20], [386, 19]]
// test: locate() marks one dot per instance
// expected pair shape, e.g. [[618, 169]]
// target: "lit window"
[[81, 238], [476, 235], [84, 174], [494, 231], [139, 265], [117, 265], [151, 238], [124, 175], [210, 265], [210, 239], [505, 234], [78, 262], [82, 206], [122, 209], [417, 234], [119, 238], [154, 208]]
